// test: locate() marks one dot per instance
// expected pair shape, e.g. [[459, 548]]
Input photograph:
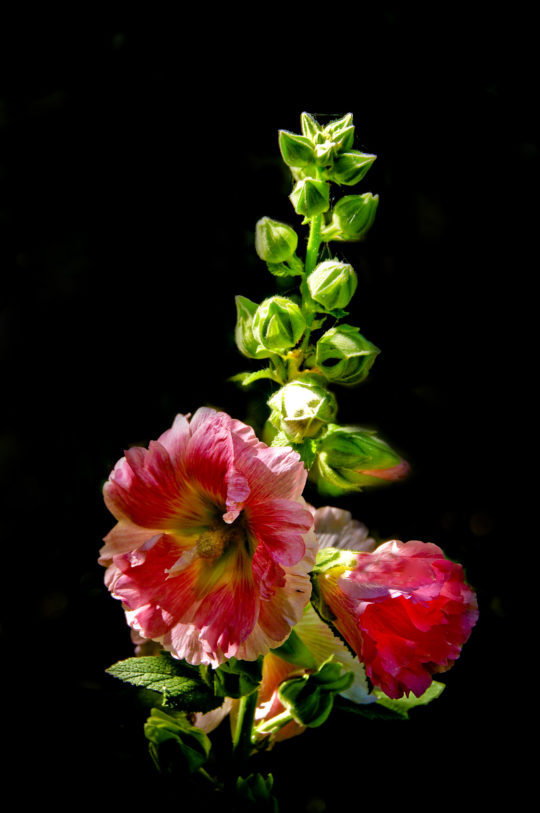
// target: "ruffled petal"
[[280, 525]]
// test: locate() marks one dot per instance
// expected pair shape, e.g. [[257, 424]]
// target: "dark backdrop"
[[132, 178]]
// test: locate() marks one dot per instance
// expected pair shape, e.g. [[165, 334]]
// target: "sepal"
[[297, 150], [350, 167], [245, 340], [310, 127], [295, 651], [403, 705]]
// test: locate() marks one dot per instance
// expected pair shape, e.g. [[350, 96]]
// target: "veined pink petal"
[[175, 439], [143, 488], [280, 525], [124, 537]]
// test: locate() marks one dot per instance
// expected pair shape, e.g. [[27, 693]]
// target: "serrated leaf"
[[181, 684], [405, 704], [164, 730]]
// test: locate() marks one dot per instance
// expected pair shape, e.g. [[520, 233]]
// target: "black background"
[[132, 175]]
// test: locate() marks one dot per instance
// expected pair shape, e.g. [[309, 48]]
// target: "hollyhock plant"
[[216, 556], [405, 609], [213, 544]]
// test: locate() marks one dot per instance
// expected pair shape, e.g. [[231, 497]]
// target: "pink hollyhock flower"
[[213, 546], [405, 609]]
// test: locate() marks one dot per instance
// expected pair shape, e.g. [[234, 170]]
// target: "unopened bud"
[[332, 284], [278, 324], [310, 197], [274, 242], [351, 458], [245, 340], [302, 408], [352, 217], [297, 150], [341, 132], [310, 127], [343, 355], [351, 167]]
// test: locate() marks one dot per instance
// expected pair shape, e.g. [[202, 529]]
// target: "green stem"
[[312, 254], [244, 727], [273, 725], [314, 243]]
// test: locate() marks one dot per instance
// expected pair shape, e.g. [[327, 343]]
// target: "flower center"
[[215, 540]]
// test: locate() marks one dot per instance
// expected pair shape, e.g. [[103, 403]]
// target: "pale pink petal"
[[125, 536], [335, 528], [175, 439]]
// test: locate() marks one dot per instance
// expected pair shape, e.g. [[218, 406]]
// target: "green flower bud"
[[245, 340], [274, 242], [324, 153], [352, 217], [297, 150], [332, 284], [338, 126], [351, 458], [310, 127], [341, 132], [343, 355], [278, 324], [310, 197], [302, 408], [351, 167]]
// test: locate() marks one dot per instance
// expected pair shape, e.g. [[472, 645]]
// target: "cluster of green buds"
[[306, 346]]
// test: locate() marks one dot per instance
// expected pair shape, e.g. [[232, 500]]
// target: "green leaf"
[[295, 651], [164, 730], [405, 704], [236, 678], [255, 792], [180, 684], [310, 698]]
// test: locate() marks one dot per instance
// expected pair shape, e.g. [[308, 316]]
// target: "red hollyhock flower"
[[406, 611], [213, 546]]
